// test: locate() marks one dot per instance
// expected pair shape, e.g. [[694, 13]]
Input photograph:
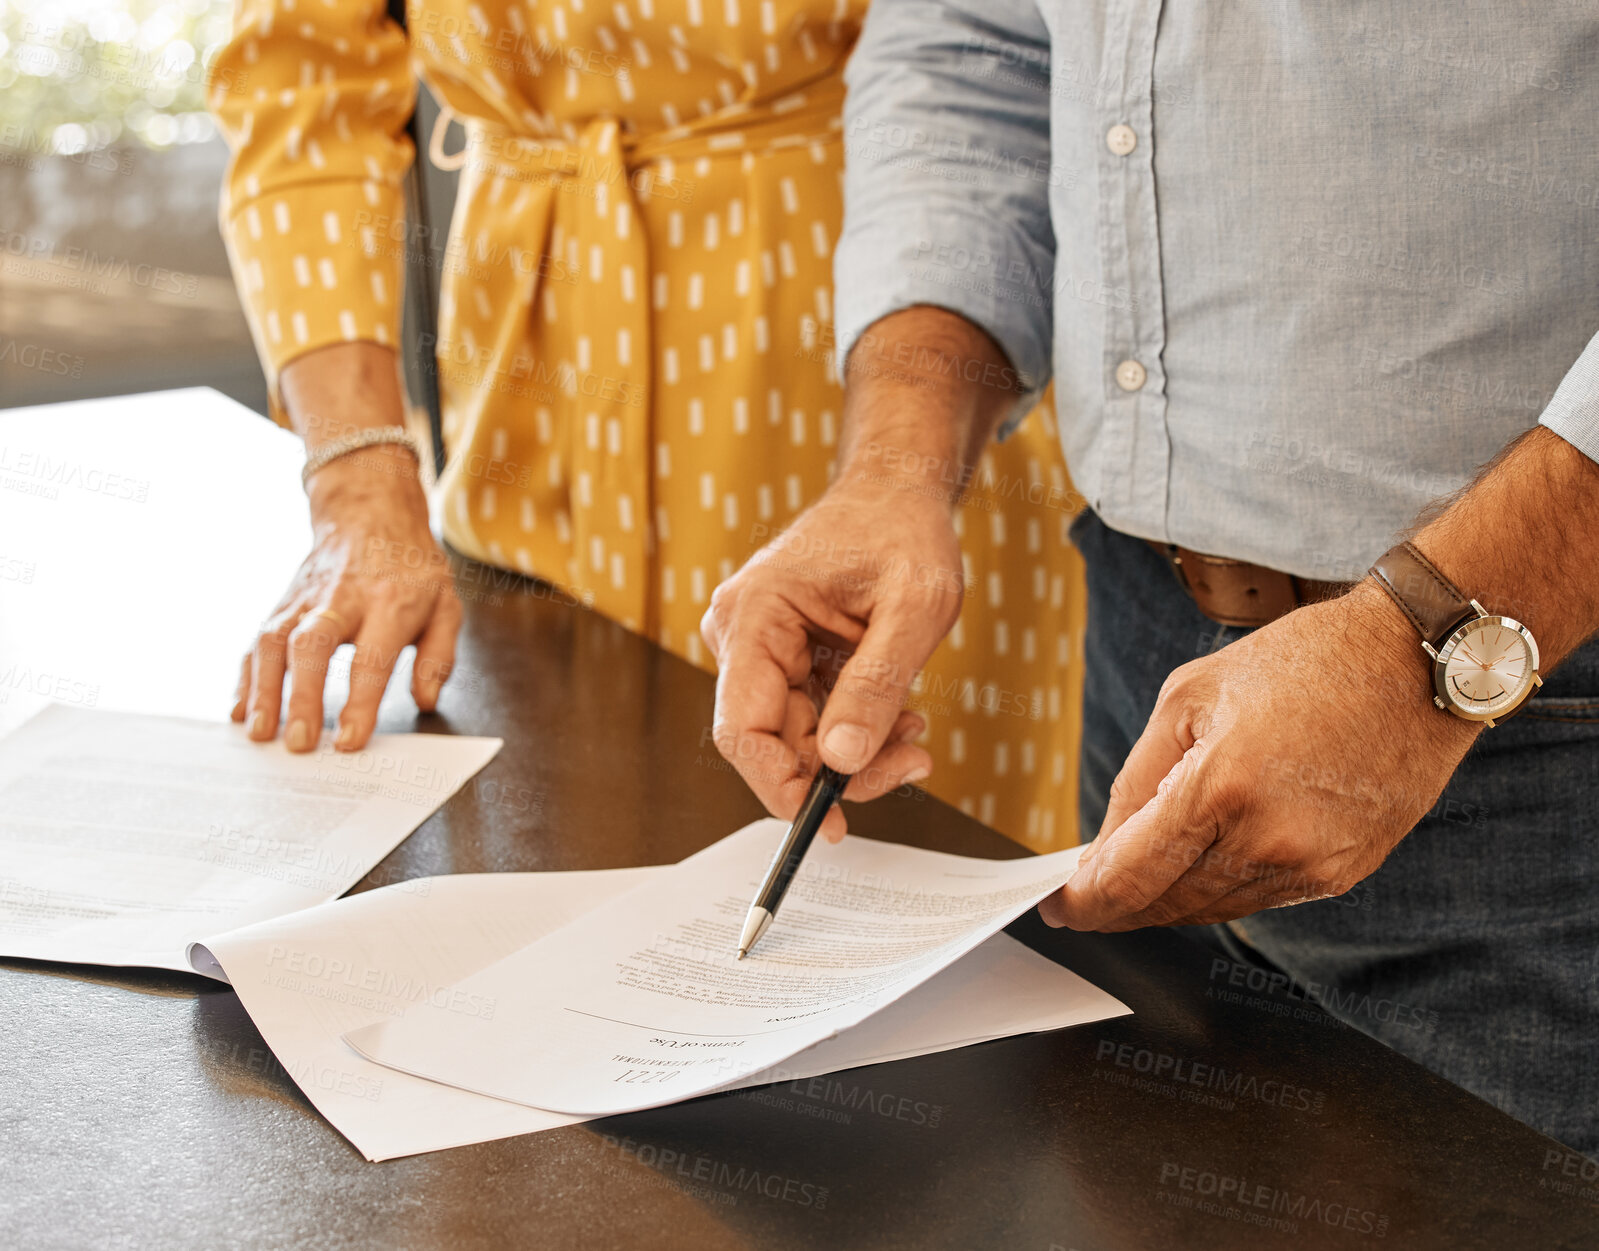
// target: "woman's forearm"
[[337, 390]]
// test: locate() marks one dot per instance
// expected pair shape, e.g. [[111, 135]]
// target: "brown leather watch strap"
[[1428, 598]]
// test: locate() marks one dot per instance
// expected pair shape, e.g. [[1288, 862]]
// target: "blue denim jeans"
[[1474, 949]]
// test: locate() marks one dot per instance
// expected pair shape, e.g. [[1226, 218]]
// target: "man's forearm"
[[1523, 540], [925, 390]]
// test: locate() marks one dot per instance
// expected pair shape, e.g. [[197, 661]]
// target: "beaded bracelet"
[[354, 443]]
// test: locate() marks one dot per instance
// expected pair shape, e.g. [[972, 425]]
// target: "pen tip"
[[741, 953]]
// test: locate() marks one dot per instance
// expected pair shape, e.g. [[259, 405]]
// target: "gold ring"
[[335, 618]]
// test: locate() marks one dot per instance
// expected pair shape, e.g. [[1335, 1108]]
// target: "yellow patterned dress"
[[635, 320]]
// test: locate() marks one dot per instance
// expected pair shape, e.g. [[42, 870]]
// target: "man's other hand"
[[1283, 768]]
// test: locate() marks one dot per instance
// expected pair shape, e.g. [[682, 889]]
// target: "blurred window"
[[113, 277]]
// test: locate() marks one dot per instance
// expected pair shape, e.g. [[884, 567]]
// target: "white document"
[[308, 978], [640, 1001], [124, 838]]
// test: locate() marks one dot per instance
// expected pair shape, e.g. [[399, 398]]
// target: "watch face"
[[1486, 667]]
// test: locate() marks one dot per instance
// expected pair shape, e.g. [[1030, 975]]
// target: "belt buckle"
[[1174, 561]]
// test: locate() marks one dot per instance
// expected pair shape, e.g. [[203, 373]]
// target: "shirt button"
[[1130, 375], [1121, 139]]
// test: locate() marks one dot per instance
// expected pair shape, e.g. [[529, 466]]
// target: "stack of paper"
[[124, 838], [390, 954], [445, 1011], [641, 1002]]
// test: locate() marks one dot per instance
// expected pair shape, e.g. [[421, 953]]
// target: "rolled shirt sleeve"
[[1573, 410], [313, 100], [947, 176]]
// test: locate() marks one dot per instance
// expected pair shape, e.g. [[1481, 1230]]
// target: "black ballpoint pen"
[[825, 789]]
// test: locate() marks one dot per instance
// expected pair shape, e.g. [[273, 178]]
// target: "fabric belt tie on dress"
[[581, 213]]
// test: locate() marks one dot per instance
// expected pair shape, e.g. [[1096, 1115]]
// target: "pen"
[[826, 787]]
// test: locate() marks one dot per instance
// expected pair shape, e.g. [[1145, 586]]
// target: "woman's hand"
[[375, 576]]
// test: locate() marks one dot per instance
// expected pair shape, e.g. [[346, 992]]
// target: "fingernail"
[[258, 724], [427, 696], [847, 744], [299, 736], [344, 737], [918, 773]]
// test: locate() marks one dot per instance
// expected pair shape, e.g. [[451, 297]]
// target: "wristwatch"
[[1484, 666]]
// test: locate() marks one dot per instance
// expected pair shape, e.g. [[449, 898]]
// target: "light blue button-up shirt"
[[1296, 269]]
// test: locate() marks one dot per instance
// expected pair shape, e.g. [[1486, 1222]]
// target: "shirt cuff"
[[318, 264], [879, 271], [1573, 410]]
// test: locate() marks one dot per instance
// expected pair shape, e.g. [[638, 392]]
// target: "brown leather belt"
[[1236, 593]]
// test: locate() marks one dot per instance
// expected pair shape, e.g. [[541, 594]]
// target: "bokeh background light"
[[112, 268], [80, 76]]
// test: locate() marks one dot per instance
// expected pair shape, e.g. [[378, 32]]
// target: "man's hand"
[[375, 576], [1286, 766], [1281, 769], [849, 602], [847, 605]]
